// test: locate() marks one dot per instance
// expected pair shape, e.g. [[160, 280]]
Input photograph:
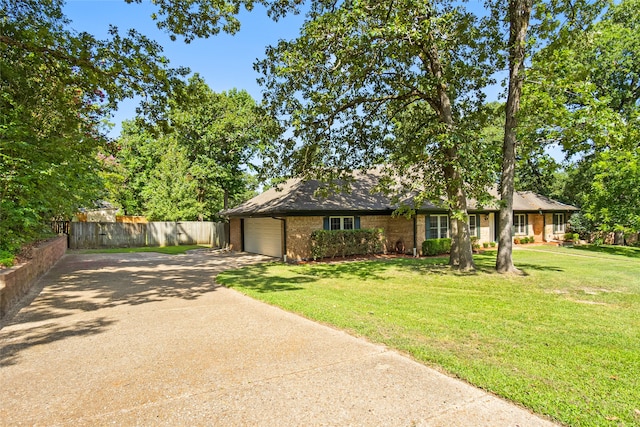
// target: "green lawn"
[[169, 250], [563, 340]]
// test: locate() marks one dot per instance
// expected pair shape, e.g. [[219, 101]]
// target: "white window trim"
[[560, 226], [342, 218], [473, 229], [525, 225], [439, 226]]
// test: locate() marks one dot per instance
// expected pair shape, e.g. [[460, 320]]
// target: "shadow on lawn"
[[626, 251], [265, 278], [486, 263], [261, 279]]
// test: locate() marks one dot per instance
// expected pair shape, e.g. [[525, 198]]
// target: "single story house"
[[279, 221]]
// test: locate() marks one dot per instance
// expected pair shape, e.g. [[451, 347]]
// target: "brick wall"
[[299, 230], [395, 229], [16, 282]]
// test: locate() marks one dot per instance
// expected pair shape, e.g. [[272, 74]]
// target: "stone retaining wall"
[[15, 282]]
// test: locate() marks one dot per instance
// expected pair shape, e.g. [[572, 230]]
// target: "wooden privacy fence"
[[94, 235]]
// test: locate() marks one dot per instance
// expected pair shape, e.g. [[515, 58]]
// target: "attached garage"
[[263, 236]]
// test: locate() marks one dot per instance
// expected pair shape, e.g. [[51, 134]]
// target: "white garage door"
[[263, 236]]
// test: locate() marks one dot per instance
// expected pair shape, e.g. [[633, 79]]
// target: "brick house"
[[279, 221]]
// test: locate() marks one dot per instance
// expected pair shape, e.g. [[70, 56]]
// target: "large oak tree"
[[392, 82]]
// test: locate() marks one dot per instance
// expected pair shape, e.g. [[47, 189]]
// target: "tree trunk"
[[519, 13], [461, 252], [454, 255]]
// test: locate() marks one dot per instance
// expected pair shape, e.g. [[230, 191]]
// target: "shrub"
[[474, 243], [580, 224], [485, 245], [331, 243], [436, 246], [532, 239], [6, 258], [569, 237], [492, 244]]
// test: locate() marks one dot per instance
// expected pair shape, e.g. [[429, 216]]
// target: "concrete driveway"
[[150, 339]]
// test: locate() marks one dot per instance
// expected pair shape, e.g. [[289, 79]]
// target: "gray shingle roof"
[[297, 197]]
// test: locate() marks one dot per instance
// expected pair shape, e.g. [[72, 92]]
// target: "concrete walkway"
[[149, 339]]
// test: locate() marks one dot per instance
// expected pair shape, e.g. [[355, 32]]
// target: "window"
[[558, 223], [474, 226], [437, 226], [341, 223], [520, 223]]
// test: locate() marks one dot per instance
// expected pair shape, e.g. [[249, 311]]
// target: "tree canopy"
[[583, 93], [198, 162], [398, 83], [57, 88]]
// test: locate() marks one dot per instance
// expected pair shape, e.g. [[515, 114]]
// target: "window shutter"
[[428, 226], [325, 223], [356, 224]]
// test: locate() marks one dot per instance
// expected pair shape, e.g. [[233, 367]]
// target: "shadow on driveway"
[[83, 283]]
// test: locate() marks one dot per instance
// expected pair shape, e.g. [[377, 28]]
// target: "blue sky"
[[224, 61]]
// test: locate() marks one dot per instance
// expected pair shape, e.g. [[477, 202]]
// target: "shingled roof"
[[298, 197]]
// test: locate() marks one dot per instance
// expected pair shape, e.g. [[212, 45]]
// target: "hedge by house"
[[331, 243], [436, 246]]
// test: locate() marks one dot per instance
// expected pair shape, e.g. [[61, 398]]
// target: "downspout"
[[415, 235], [241, 235], [284, 237]]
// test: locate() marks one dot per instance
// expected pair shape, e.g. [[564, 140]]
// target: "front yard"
[[564, 340]]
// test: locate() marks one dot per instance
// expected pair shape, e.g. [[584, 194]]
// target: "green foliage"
[[615, 191], [6, 258], [431, 247], [196, 164], [331, 243], [204, 18], [585, 95], [579, 223], [57, 88]]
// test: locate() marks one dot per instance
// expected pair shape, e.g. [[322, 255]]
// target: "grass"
[[563, 340], [169, 250], [628, 251]]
